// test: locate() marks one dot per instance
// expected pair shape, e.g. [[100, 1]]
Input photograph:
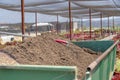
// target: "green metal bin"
[[103, 67]]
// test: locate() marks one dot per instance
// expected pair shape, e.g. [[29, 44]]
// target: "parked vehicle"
[[42, 27]]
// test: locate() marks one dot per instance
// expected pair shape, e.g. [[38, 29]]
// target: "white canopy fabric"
[[79, 8]]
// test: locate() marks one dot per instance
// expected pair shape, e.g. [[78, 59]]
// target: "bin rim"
[[92, 66], [39, 67]]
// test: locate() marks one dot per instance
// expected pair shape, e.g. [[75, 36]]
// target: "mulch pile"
[[43, 50]]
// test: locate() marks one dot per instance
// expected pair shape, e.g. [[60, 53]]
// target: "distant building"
[[75, 26]]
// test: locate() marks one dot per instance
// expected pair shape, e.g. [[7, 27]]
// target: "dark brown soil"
[[43, 50]]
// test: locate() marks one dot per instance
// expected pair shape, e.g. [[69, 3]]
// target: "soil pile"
[[43, 50], [6, 60]]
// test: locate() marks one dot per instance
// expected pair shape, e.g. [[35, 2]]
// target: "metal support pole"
[[72, 24], [70, 19], [108, 26], [82, 28], [29, 31], [67, 28], [57, 24], [36, 28], [101, 23], [90, 22], [113, 24], [22, 16], [81, 25]]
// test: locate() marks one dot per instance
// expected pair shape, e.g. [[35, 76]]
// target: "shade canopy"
[[79, 8]]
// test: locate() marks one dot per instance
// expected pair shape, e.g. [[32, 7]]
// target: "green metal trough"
[[101, 69], [35, 72]]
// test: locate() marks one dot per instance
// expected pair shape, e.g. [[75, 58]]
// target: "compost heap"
[[43, 50]]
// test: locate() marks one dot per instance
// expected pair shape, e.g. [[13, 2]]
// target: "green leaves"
[[117, 66]]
